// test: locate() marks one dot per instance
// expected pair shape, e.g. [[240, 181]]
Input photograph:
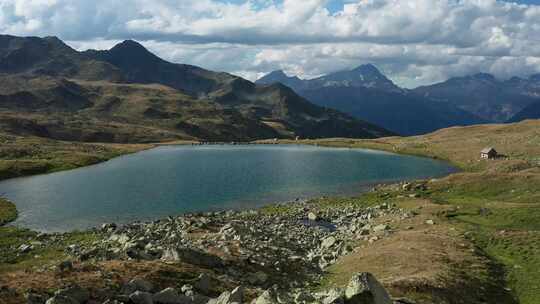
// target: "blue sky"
[[414, 42]]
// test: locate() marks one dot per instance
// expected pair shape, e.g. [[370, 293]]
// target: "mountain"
[[128, 94], [367, 94], [52, 57], [532, 111], [484, 95]]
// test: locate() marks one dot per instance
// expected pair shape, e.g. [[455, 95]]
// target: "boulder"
[[25, 248], [204, 283], [137, 284], [34, 298], [257, 278], [237, 295], [141, 297], [65, 266], [192, 256], [312, 216], [363, 288], [333, 296], [77, 293], [381, 227], [328, 242], [267, 297], [62, 300], [170, 296]]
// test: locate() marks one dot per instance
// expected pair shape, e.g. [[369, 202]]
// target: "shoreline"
[[364, 188]]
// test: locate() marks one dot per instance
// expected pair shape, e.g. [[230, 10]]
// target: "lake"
[[172, 180]]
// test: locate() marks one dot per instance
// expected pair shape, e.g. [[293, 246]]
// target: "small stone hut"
[[488, 153]]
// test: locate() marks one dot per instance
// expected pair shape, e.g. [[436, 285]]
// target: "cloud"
[[414, 41]]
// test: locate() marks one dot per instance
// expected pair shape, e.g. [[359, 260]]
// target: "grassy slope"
[[8, 212], [22, 156], [496, 203]]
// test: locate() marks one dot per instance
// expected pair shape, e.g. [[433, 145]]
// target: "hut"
[[488, 153]]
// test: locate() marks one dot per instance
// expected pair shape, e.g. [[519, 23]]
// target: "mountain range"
[[369, 95], [128, 94]]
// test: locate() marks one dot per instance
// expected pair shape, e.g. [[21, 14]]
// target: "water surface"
[[178, 179]]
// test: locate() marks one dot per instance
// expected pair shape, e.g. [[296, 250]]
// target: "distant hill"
[[485, 96], [367, 94], [532, 111], [127, 94]]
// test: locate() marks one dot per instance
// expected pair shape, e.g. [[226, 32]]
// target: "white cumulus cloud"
[[413, 41]]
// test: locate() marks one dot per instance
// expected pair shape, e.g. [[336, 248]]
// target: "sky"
[[414, 42]]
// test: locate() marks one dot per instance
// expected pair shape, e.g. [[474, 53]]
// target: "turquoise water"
[[178, 179]]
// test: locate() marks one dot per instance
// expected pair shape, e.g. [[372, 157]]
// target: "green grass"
[[23, 156], [8, 212], [11, 238], [501, 213]]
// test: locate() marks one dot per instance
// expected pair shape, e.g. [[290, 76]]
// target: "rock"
[[258, 278], [192, 256], [267, 297], [77, 293], [333, 296], [381, 227], [363, 288], [61, 300], [312, 216], [170, 296], [304, 297], [328, 242], [141, 297], [204, 283], [25, 248], [108, 227], [65, 266], [237, 295], [406, 187], [34, 298], [430, 222], [137, 284]]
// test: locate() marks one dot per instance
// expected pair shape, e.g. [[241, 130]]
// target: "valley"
[[483, 216]]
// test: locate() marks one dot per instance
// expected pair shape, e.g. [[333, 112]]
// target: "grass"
[[23, 156], [501, 213], [11, 238], [8, 211]]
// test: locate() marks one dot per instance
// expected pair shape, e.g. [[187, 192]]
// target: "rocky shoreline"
[[277, 253]]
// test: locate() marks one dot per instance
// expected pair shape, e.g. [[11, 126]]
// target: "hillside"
[[128, 94], [532, 111], [485, 96], [490, 209], [367, 94]]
